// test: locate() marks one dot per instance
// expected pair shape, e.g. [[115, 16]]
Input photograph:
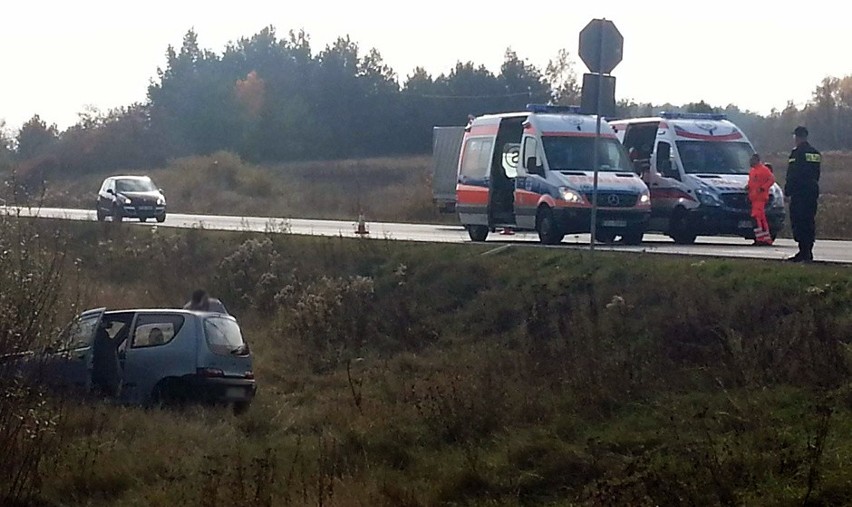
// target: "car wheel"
[[633, 236], [162, 218], [477, 233], [143, 219], [116, 214], [100, 214], [548, 231]]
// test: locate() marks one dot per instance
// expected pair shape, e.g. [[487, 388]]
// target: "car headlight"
[[161, 202], [707, 198], [645, 198], [569, 195], [126, 200]]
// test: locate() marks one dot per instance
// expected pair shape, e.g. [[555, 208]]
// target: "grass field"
[[382, 189], [394, 374]]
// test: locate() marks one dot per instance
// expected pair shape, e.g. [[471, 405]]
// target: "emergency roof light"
[[693, 116], [546, 108]]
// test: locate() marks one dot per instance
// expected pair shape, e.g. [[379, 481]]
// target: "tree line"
[[275, 99]]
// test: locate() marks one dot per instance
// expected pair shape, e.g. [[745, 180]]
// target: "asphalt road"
[[828, 251]]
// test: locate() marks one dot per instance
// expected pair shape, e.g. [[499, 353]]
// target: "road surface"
[[828, 251]]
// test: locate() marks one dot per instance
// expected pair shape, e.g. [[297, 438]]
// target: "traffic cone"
[[361, 229]]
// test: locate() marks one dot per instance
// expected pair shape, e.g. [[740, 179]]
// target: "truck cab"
[[533, 171], [696, 166]]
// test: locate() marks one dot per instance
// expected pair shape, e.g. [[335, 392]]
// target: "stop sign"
[[601, 46]]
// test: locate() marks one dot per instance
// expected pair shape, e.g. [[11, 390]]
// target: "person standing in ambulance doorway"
[[802, 189], [760, 181]]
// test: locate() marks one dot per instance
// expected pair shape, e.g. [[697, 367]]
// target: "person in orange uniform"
[[760, 181]]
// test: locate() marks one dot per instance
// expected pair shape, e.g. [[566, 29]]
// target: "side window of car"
[[155, 330], [79, 334]]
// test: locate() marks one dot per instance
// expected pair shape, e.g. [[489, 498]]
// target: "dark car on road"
[[130, 197]]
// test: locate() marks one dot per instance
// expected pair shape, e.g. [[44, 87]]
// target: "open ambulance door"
[[504, 171], [639, 139]]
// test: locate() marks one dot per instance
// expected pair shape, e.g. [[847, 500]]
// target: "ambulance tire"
[[773, 233], [605, 236], [633, 236], [679, 228], [478, 233], [548, 230]]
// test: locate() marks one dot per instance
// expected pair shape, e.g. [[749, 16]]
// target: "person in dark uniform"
[[802, 189]]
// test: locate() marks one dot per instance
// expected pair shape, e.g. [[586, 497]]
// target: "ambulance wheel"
[[605, 236], [684, 238], [548, 231], [633, 236], [477, 233], [679, 228]]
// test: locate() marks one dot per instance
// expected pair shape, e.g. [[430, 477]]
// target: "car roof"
[[172, 311], [129, 178]]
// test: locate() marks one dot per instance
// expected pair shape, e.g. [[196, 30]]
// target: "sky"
[[61, 56]]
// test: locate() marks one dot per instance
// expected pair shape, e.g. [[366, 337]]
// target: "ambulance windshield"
[[575, 153], [714, 157]]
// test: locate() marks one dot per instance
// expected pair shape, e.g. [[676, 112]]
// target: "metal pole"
[[596, 156]]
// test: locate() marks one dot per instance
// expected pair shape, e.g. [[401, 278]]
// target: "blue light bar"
[[545, 108], [694, 116]]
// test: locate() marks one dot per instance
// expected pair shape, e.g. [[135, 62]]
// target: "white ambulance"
[[533, 171], [696, 166]]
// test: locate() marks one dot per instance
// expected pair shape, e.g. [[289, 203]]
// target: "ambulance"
[[533, 171], [696, 166]]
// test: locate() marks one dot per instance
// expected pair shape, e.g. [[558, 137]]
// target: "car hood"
[[607, 181], [153, 195]]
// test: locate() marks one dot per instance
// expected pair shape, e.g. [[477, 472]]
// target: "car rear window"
[[224, 336]]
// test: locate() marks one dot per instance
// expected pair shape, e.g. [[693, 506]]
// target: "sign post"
[[601, 49]]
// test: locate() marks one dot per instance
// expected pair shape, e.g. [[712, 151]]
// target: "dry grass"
[[383, 189], [394, 374]]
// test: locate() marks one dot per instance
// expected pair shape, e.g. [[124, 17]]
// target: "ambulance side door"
[[529, 183], [666, 180], [472, 190]]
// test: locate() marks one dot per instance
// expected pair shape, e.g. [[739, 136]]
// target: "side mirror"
[[533, 167], [110, 191]]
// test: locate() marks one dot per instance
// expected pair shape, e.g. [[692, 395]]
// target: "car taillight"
[[249, 375], [209, 372]]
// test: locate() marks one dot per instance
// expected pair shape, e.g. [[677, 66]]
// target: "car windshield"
[[714, 157], [575, 153], [224, 336], [135, 185]]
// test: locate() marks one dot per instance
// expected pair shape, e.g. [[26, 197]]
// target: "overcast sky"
[[59, 55]]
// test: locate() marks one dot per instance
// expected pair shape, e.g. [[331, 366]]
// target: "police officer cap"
[[801, 131]]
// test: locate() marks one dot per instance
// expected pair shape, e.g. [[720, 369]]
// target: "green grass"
[[402, 374]]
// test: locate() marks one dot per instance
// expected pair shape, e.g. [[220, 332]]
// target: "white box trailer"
[[446, 147]]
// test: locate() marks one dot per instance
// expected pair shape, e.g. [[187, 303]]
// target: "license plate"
[[746, 224], [235, 392], [146, 208], [614, 223]]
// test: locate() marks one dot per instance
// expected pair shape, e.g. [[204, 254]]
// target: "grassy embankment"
[[397, 374], [391, 189]]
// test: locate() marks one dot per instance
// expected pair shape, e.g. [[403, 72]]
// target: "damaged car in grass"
[[152, 357]]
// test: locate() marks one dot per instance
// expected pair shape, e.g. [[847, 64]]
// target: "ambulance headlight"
[[707, 198], [645, 198], [570, 195]]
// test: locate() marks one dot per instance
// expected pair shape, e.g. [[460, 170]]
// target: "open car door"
[[69, 364]]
